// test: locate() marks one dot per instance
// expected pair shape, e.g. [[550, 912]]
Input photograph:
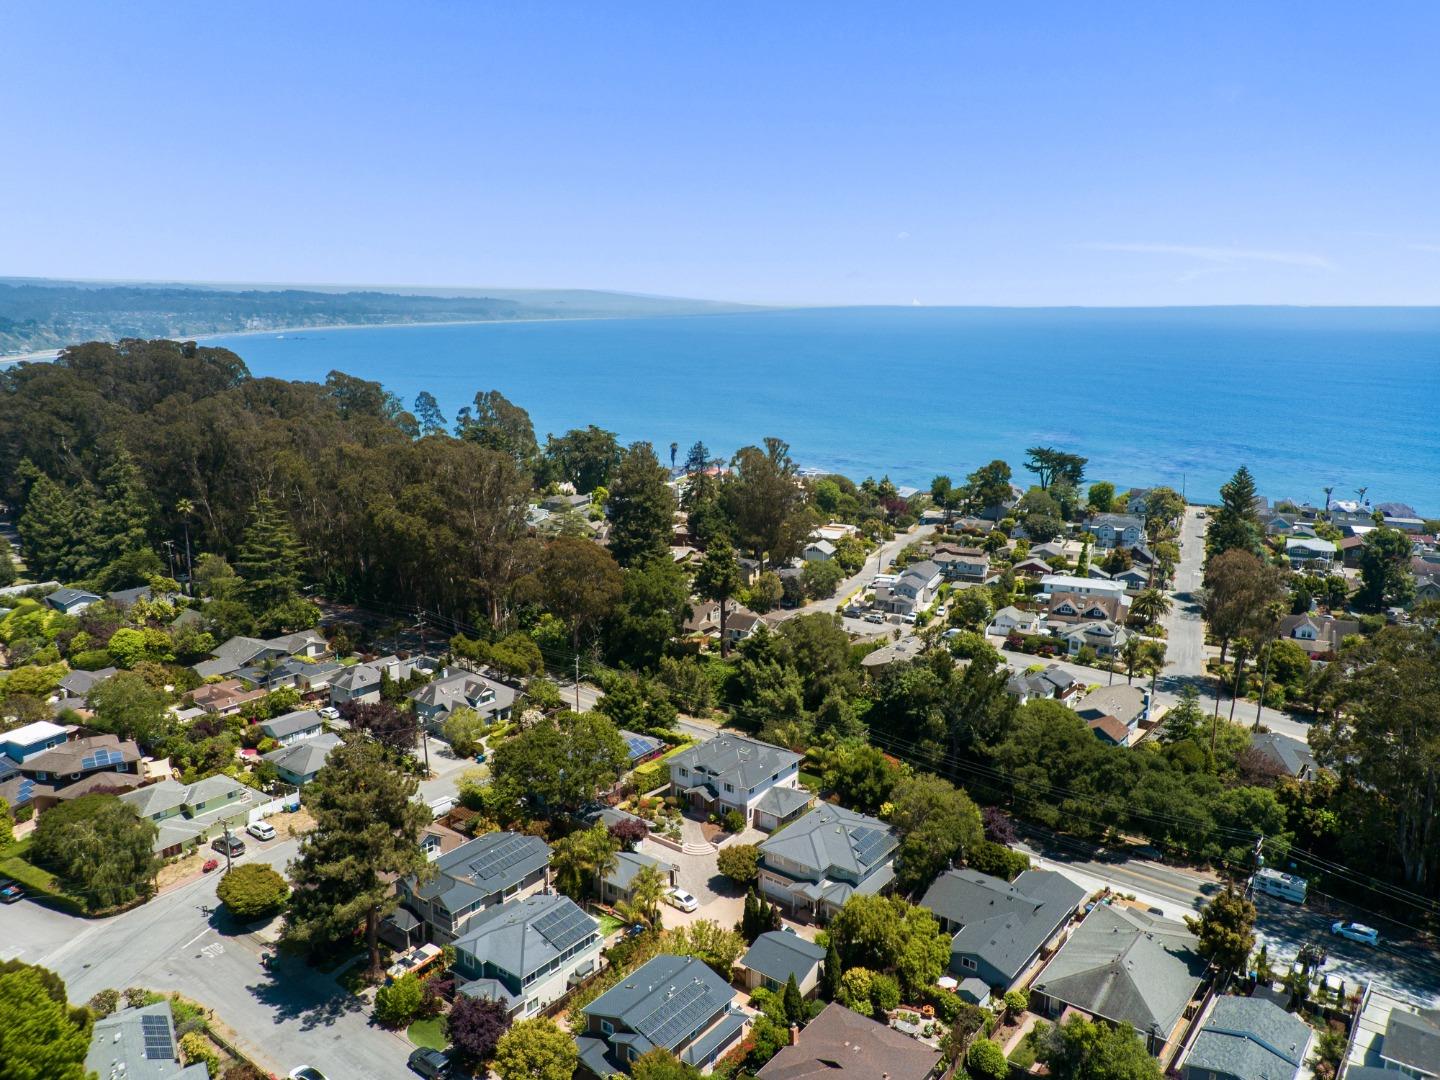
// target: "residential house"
[[490, 870], [703, 620], [1069, 608], [894, 652], [224, 698], [310, 644], [139, 1044], [617, 883], [301, 761], [236, 653], [79, 683], [1002, 928], [56, 769], [1052, 682], [452, 689], [641, 748], [1051, 584], [186, 815], [1248, 1038], [1115, 713], [741, 623], [1135, 501], [528, 954], [1011, 620], [776, 956], [835, 531], [1105, 637], [818, 551], [1310, 553], [731, 772], [124, 598], [69, 601], [749, 568], [1411, 1044], [1033, 566], [1318, 635], [294, 726], [961, 564], [915, 587], [819, 861], [562, 502], [26, 742], [272, 675], [1117, 530], [673, 1002], [1289, 756], [840, 1044], [1135, 579], [359, 683], [1127, 967], [1427, 588]]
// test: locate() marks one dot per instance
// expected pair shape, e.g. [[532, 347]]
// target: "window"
[[968, 964], [729, 787], [607, 1028]]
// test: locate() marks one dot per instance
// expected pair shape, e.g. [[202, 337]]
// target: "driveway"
[[299, 1016]]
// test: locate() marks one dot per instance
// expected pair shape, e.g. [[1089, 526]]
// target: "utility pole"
[[227, 847], [1259, 860], [577, 682], [1264, 685]]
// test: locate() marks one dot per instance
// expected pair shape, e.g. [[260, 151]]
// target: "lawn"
[[609, 924], [810, 781], [428, 1033], [35, 881]]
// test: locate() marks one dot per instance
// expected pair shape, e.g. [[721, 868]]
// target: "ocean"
[[1306, 397]]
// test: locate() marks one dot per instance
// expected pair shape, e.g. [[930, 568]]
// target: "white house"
[[1082, 586], [731, 772], [1117, 530], [912, 590], [1304, 550], [819, 551], [1012, 619]]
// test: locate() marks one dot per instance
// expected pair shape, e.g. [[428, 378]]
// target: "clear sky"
[[831, 153]]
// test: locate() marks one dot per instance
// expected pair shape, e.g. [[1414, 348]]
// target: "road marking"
[[196, 938], [213, 950]]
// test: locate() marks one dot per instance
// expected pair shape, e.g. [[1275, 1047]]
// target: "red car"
[[210, 864]]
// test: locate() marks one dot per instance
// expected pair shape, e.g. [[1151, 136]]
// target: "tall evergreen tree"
[[367, 831], [57, 528], [830, 974], [428, 415], [126, 509], [641, 507], [1236, 524], [794, 1004], [697, 458], [719, 579], [269, 557]]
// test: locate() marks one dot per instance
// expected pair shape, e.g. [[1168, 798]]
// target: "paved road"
[[1185, 640], [300, 1016], [879, 559]]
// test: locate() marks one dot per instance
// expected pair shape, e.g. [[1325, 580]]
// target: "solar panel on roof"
[[679, 1016], [869, 843], [501, 857], [156, 1033], [565, 926]]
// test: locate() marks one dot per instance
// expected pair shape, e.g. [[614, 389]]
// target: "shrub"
[[884, 993], [734, 821], [243, 1070], [398, 1003], [475, 1026], [105, 1002], [252, 890], [90, 660], [196, 1049], [855, 987], [739, 862], [1017, 1001], [986, 1061], [997, 860]]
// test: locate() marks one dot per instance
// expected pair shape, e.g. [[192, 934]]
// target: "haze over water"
[[1307, 397]]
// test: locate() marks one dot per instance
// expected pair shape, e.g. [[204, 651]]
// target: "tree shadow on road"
[[297, 992]]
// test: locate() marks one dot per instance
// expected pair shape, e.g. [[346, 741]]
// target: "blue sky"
[[828, 153]]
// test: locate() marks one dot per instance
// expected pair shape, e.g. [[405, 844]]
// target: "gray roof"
[[734, 759], [1126, 703], [306, 757], [925, 570], [80, 683], [292, 723], [1290, 754], [664, 1000], [240, 650], [463, 688], [830, 838], [1126, 966], [1413, 1039], [1004, 923], [126, 597], [630, 863], [840, 1043], [139, 1044], [208, 669], [522, 937], [778, 954], [357, 677], [784, 801], [482, 867], [83, 755], [67, 596], [1250, 1039], [1118, 521]]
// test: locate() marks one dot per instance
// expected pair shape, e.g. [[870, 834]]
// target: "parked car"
[[875, 617], [306, 1072], [679, 898], [228, 845], [907, 617], [329, 712], [480, 758], [429, 1063], [10, 891], [261, 830], [942, 611], [211, 865], [1354, 931]]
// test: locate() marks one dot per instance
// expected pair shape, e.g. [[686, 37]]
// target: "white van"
[[1285, 886]]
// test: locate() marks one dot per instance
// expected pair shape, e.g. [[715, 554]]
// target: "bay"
[[1306, 397]]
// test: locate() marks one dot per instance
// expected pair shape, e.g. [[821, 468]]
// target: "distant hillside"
[[43, 314]]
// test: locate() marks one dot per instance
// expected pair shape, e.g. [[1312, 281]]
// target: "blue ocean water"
[[1305, 397]]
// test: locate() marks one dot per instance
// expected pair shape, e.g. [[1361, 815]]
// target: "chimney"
[[794, 1034]]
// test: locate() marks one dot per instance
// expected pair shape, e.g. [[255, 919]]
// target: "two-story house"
[[527, 954], [1051, 584], [224, 698], [452, 689], [186, 815], [672, 1002], [1318, 635], [81, 767], [1073, 608], [916, 587], [961, 563], [1117, 530], [477, 876], [1310, 552], [1105, 637], [732, 772], [816, 863]]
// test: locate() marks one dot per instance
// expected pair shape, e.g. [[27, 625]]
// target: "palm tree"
[[1328, 492], [674, 448], [186, 509], [1150, 605], [1133, 652], [647, 888]]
